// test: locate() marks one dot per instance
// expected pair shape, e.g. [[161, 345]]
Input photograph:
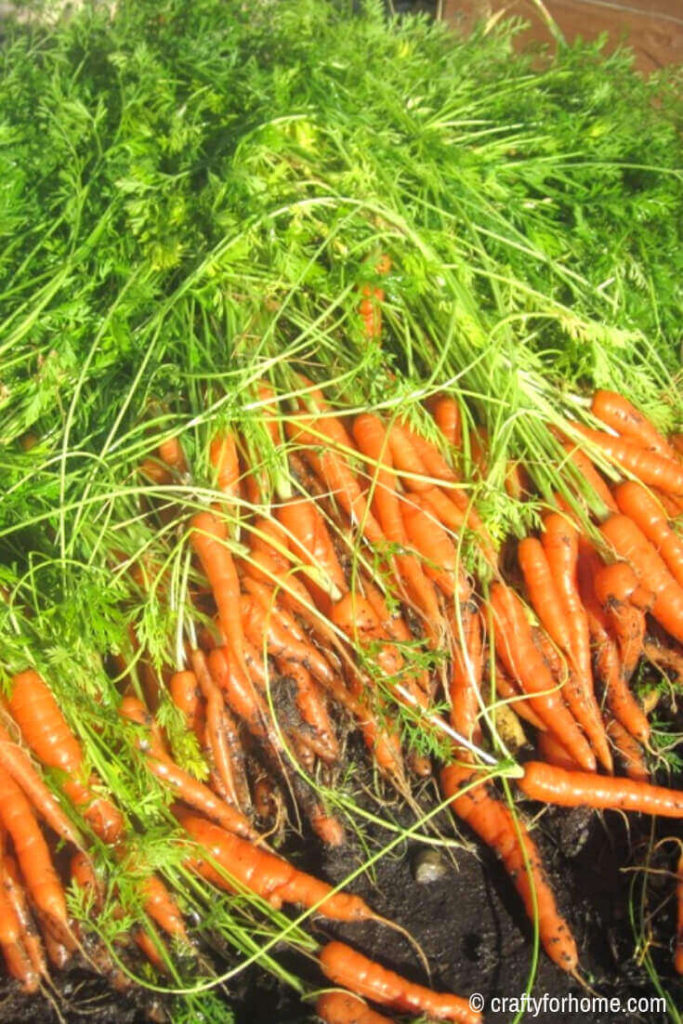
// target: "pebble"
[[429, 866]]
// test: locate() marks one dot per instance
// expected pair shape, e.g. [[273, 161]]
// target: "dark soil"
[[470, 925]]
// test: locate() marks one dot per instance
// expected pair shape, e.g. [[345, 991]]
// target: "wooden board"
[[653, 28]]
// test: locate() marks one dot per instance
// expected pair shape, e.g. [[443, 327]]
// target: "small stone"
[[429, 866]]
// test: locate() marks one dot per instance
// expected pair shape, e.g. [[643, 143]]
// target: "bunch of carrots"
[[344, 606]]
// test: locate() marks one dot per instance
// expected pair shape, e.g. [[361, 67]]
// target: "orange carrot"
[[590, 474], [208, 536], [650, 468], [629, 751], [221, 735], [507, 835], [34, 858], [560, 542], [344, 966], [14, 891], [630, 543], [264, 873], [225, 463], [161, 907], [308, 538], [552, 785], [515, 646], [466, 671], [618, 413], [637, 503], [45, 730], [430, 540], [446, 413], [17, 763], [344, 1008], [187, 788]]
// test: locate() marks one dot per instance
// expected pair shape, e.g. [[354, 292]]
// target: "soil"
[[469, 924]]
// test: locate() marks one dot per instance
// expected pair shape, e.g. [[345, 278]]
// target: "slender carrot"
[[618, 413], [344, 966], [466, 671], [45, 730], [373, 440], [629, 751], [560, 542], [208, 536], [515, 647], [162, 908], [318, 728], [221, 733], [430, 540], [264, 873], [650, 468], [34, 858], [16, 762], [620, 700], [542, 590], [590, 474], [187, 698], [224, 461], [629, 542], [187, 788], [552, 751], [576, 789], [508, 837], [308, 538], [16, 955], [637, 502], [446, 413], [344, 1008], [518, 700], [14, 891]]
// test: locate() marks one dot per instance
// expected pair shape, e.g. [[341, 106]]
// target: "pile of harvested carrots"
[[346, 607]]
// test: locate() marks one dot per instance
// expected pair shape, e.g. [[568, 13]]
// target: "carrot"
[[16, 762], [162, 908], [221, 734], [446, 413], [515, 646], [508, 837], [456, 518], [33, 855], [620, 700], [590, 474], [344, 1008], [11, 941], [373, 441], [650, 468], [560, 542], [330, 466], [637, 503], [618, 584], [344, 966], [678, 956], [430, 540], [542, 590], [630, 543], [552, 751], [14, 892], [152, 947], [187, 788], [264, 873], [45, 730], [308, 538], [318, 730], [466, 671], [225, 463], [518, 700], [548, 784], [171, 453], [186, 696], [618, 413], [83, 875], [629, 751], [208, 537]]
